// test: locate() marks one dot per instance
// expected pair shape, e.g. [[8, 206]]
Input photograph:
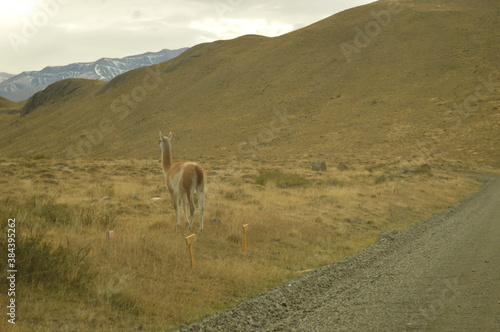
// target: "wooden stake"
[[190, 245], [245, 237]]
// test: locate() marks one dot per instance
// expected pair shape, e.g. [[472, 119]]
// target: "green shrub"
[[123, 301], [39, 263], [380, 179], [38, 156], [38, 209], [282, 180], [90, 217], [335, 183], [55, 213], [423, 169]]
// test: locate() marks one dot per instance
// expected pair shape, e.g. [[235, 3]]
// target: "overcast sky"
[[39, 33]]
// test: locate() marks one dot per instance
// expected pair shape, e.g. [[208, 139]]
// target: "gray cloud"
[[66, 31]]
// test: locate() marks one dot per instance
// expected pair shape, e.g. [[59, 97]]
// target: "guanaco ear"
[[161, 135], [170, 136]]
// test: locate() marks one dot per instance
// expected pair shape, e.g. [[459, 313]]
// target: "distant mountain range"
[[5, 76], [22, 86]]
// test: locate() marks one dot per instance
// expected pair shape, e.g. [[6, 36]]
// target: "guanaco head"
[[164, 139]]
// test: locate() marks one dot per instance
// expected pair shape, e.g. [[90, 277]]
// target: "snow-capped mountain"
[[5, 76], [24, 85]]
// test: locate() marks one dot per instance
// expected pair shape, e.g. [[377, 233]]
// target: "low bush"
[[380, 179], [39, 209], [90, 217], [335, 183], [423, 169], [282, 180], [39, 263]]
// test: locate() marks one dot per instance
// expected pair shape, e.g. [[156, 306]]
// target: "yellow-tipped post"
[[245, 226], [190, 245]]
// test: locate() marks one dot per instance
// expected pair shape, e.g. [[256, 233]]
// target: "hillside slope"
[[394, 79], [5, 103]]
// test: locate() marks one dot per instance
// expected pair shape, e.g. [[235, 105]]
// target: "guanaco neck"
[[166, 155]]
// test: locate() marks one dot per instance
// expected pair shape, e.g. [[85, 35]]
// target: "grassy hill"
[[8, 105], [400, 79], [9, 111]]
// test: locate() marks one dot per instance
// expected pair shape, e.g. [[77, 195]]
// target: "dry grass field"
[[71, 277]]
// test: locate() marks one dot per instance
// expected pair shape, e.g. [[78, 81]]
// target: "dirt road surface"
[[443, 274]]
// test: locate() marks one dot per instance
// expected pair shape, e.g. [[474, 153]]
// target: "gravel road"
[[442, 274]]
